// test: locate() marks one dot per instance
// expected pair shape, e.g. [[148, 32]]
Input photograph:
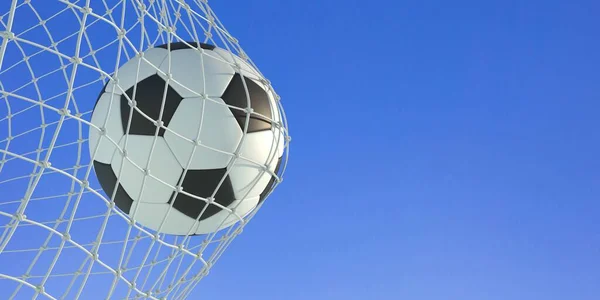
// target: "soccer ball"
[[187, 138]]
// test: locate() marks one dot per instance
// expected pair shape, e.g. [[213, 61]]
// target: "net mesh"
[[61, 237]]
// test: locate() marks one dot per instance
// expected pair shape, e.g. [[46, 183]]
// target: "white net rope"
[[61, 237]]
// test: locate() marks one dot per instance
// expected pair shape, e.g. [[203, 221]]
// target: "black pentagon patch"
[[182, 45], [203, 183], [235, 95], [271, 183], [149, 97], [108, 180]]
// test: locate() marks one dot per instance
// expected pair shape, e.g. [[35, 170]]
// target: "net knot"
[[19, 217], [7, 35]]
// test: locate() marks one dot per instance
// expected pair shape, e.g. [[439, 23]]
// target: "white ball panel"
[[278, 132], [225, 219], [195, 73], [245, 68], [163, 166], [274, 106], [219, 131], [280, 140], [248, 178], [129, 75], [151, 215], [114, 129]]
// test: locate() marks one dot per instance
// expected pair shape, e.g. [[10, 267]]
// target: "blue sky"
[[441, 150]]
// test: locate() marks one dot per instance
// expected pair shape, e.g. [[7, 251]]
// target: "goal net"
[[60, 236]]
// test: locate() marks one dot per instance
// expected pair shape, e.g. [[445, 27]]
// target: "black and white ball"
[[204, 144]]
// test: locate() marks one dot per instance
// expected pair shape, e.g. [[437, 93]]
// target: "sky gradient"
[[441, 150]]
